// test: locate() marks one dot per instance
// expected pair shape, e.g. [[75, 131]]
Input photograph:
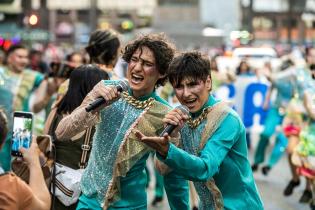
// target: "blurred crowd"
[[52, 83]]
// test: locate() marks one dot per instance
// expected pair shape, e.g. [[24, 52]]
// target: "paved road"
[[270, 187]]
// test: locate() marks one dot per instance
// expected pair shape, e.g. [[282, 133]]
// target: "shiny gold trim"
[[136, 103], [194, 123], [215, 116]]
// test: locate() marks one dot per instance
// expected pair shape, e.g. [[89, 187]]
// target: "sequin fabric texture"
[[115, 121], [190, 141]]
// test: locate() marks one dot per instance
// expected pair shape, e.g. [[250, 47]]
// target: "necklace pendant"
[[136, 103], [194, 123]]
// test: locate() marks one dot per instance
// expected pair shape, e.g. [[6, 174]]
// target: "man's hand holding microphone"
[[174, 121], [103, 95]]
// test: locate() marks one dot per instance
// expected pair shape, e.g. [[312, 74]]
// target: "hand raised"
[[107, 92], [160, 144]]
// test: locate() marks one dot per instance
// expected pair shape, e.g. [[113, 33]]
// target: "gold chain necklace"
[[194, 123], [136, 103]]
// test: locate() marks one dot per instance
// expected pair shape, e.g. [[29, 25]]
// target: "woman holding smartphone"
[[14, 192]]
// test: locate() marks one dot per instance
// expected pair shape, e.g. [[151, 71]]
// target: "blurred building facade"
[[280, 21], [196, 23], [190, 23], [69, 21]]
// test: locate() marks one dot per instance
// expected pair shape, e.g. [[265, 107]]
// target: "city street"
[[84, 77], [270, 187]]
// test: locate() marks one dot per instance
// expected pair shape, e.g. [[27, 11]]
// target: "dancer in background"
[[286, 84], [17, 85]]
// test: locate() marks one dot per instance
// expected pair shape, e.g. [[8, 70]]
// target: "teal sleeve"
[[38, 79], [202, 168], [177, 191], [111, 82]]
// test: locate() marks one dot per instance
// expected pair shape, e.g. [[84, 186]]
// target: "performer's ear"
[[208, 83]]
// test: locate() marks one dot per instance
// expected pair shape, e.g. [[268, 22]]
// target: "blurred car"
[[254, 52], [255, 56]]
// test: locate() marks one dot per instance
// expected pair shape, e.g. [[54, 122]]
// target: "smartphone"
[[22, 132]]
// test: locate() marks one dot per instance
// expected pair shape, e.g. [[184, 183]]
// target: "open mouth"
[[136, 78], [190, 102]]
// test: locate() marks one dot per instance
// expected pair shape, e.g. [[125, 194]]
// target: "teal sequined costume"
[[115, 177]]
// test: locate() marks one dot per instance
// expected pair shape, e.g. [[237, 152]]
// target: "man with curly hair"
[[115, 176]]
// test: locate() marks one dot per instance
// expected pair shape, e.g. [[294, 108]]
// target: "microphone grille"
[[183, 108], [124, 85]]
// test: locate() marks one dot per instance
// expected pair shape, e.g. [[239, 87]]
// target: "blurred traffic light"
[[104, 25], [127, 25], [33, 20]]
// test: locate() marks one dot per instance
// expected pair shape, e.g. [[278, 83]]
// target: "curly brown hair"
[[3, 126], [161, 47]]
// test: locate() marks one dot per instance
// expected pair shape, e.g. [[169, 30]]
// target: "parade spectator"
[[75, 59], [69, 151], [15, 194], [220, 78], [37, 63], [244, 69], [103, 49]]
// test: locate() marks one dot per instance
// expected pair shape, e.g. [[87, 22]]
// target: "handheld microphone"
[[169, 128], [121, 86]]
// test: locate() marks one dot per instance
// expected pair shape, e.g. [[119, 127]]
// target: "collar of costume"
[[1, 170], [197, 117], [145, 97], [210, 102]]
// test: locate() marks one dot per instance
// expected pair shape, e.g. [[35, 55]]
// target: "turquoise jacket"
[[116, 121], [224, 158]]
